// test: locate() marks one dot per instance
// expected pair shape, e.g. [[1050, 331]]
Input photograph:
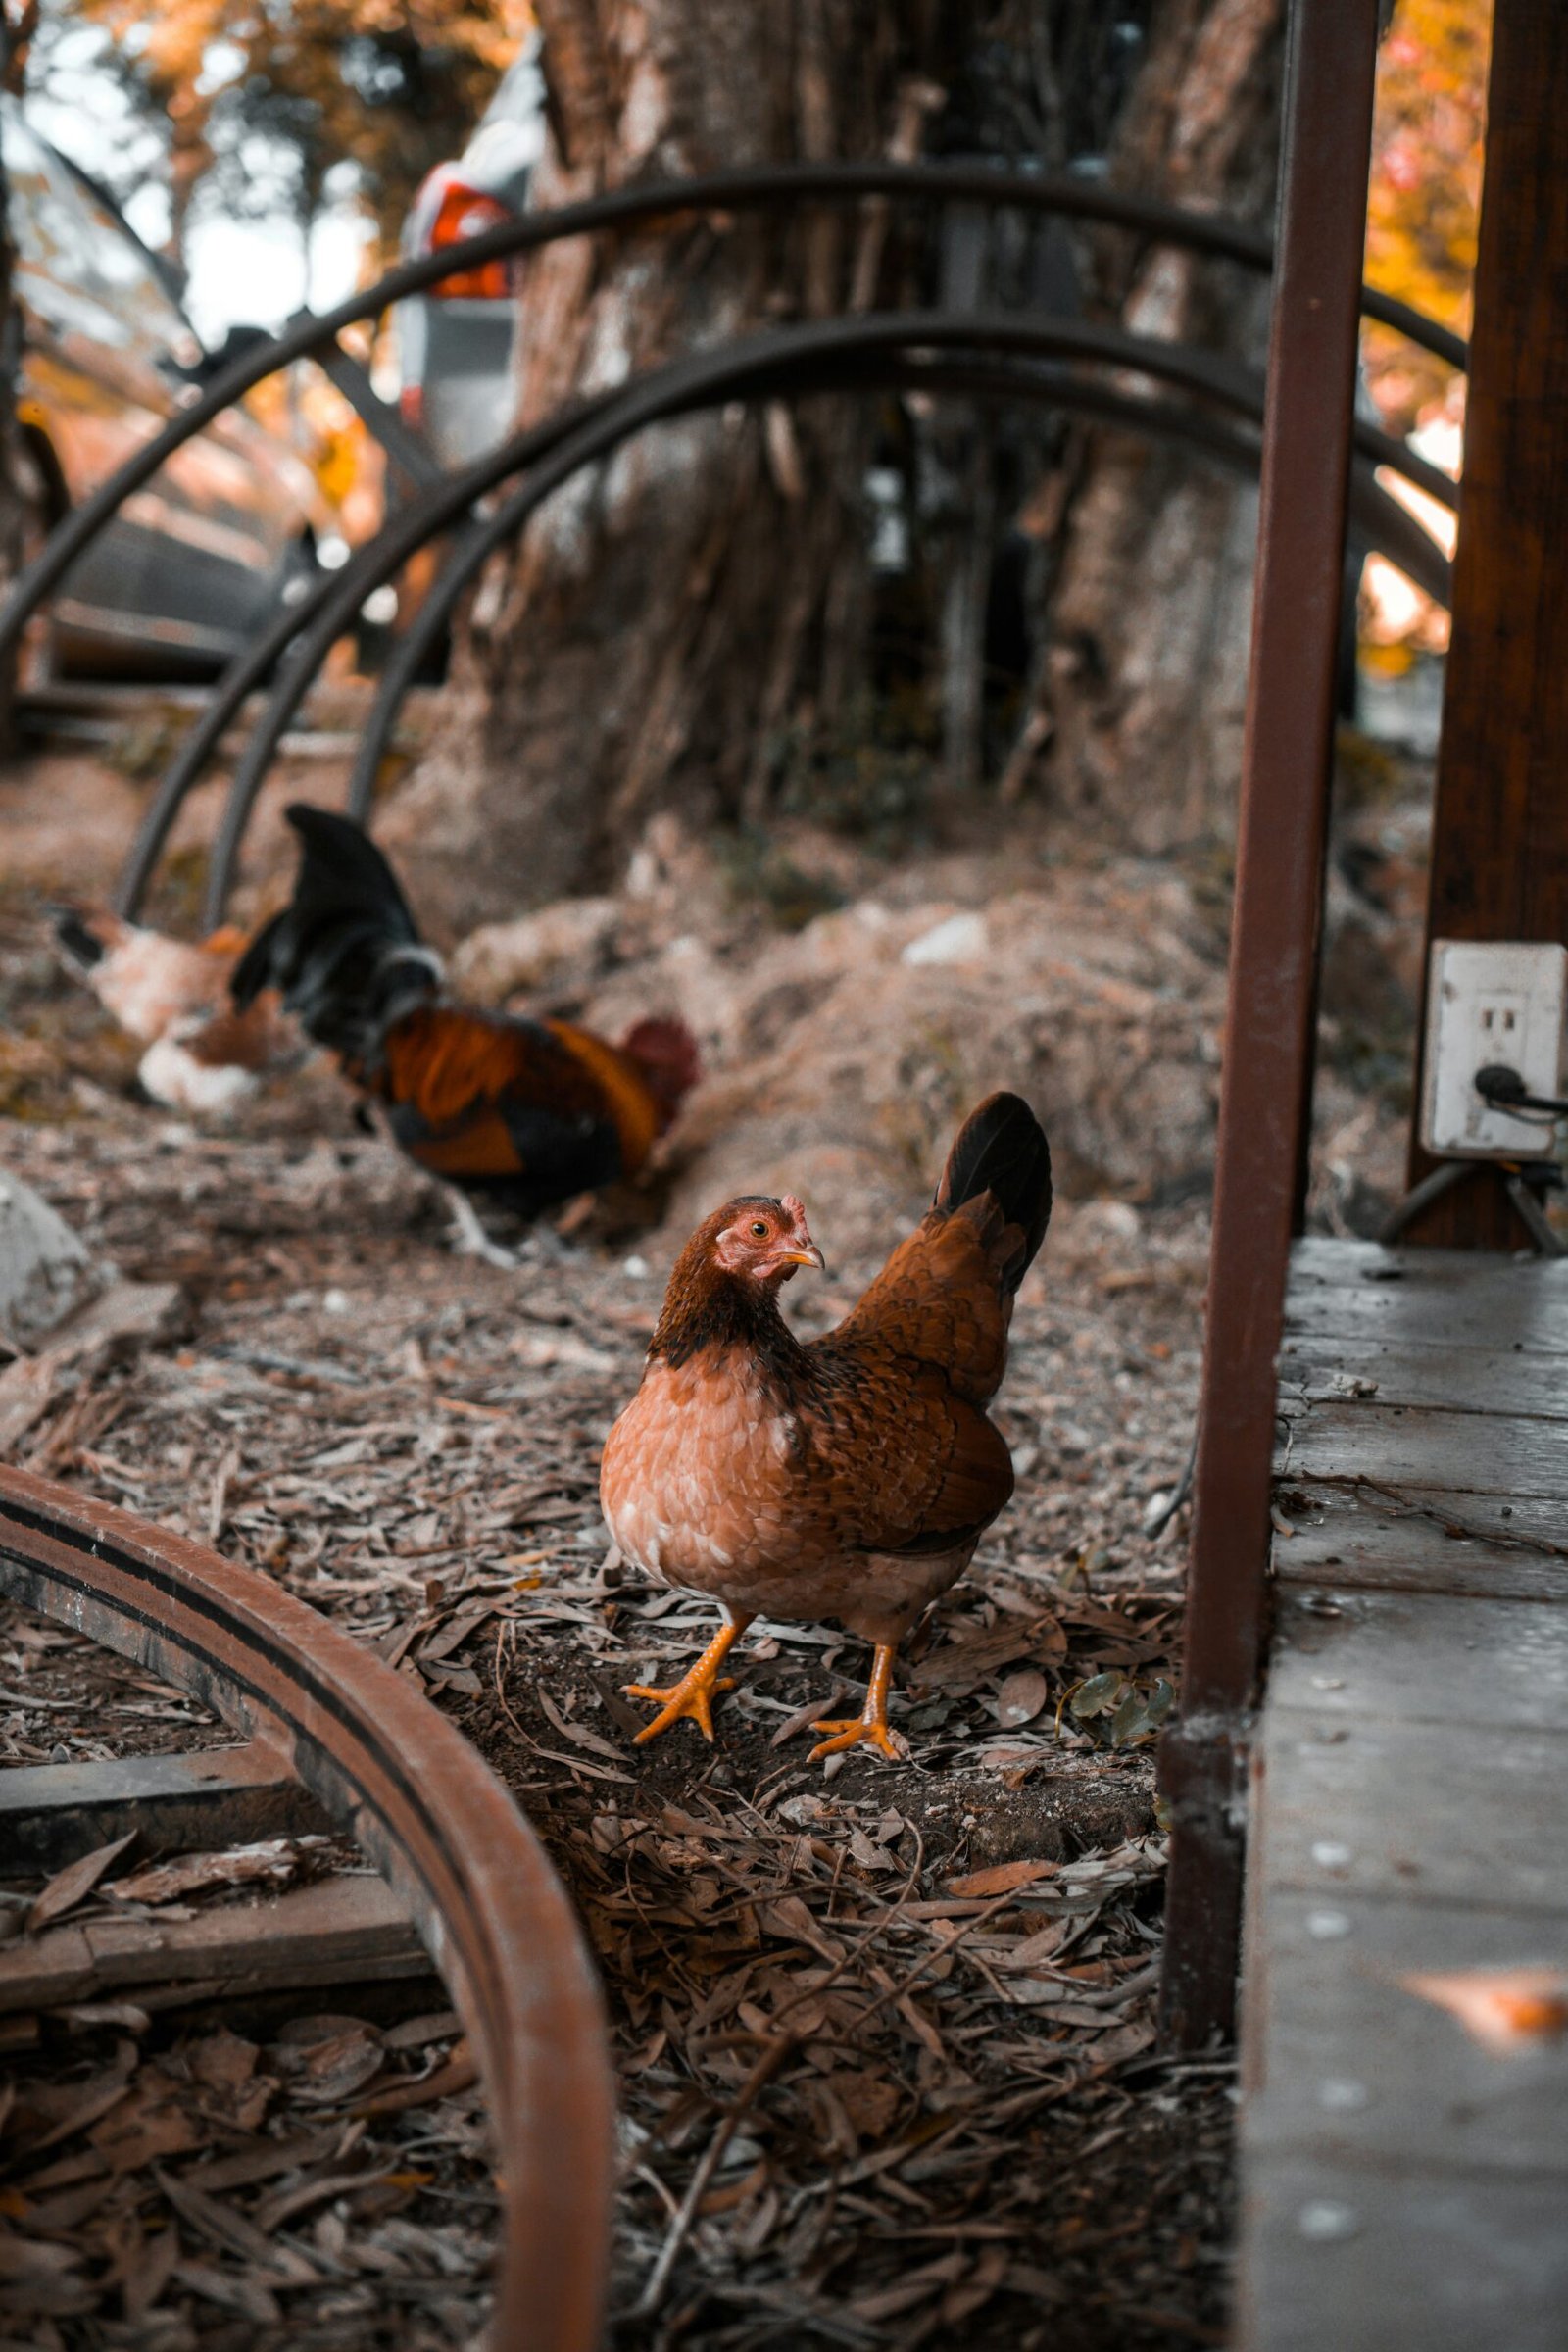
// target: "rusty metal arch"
[[575, 435], [1389, 528], [756, 186], [403, 1782]]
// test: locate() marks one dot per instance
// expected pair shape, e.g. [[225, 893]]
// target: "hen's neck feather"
[[706, 1308]]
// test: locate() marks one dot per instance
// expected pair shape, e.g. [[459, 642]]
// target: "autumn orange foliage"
[[1425, 195]]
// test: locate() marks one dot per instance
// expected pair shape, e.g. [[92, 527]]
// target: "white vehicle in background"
[[202, 559], [454, 342]]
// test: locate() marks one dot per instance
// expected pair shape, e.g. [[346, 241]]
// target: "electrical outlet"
[[1496, 1003]]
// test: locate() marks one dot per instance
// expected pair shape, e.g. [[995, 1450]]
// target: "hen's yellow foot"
[[692, 1696], [858, 1732], [871, 1728]]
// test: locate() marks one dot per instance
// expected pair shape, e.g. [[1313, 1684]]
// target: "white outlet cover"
[[1492, 1002]]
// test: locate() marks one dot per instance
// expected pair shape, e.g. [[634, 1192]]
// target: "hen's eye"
[[760, 1229]]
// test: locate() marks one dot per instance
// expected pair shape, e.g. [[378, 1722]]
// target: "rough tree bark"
[[668, 612], [1136, 723], [672, 616]]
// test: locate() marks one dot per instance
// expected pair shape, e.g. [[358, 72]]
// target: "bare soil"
[[961, 2132]]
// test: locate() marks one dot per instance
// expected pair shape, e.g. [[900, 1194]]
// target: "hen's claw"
[[856, 1732], [692, 1696], [468, 1238], [872, 1726]]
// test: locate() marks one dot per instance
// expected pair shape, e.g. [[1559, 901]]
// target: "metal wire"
[[596, 428], [332, 603], [754, 186], [1386, 526], [695, 381]]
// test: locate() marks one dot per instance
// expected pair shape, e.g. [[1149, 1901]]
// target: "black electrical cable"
[[1503, 1087]]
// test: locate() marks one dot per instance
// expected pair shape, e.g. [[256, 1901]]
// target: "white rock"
[[962, 939], [501, 958], [45, 1272]]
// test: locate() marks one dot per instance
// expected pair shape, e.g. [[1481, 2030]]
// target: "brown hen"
[[848, 1477]]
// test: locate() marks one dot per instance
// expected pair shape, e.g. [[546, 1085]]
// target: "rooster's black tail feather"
[[345, 951]]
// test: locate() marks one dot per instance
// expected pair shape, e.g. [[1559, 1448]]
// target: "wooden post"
[[1499, 845]]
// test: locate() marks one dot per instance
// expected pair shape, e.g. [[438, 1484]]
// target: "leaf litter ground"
[[884, 2032]]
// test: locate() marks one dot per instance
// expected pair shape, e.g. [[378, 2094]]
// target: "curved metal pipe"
[[681, 384], [1388, 526], [403, 1783], [688, 383], [623, 208], [248, 671]]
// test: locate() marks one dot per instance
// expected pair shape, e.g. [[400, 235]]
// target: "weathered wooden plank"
[[1480, 1454], [52, 1813], [1434, 1317], [1327, 1261], [1353, 2063], [1319, 1369], [1422, 1657], [1404, 2190], [341, 1931], [1355, 1538], [1319, 1262], [1342, 2258], [1435, 1297], [1413, 1812]]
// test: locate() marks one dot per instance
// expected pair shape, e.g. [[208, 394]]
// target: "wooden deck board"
[[1432, 2262], [1428, 1657], [1332, 1988], [1360, 1539], [1469, 1821], [1380, 1368], [1405, 2189], [1359, 1291], [1469, 1452]]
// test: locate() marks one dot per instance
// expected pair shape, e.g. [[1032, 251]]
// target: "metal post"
[[1274, 940]]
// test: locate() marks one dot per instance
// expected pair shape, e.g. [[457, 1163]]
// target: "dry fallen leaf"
[[274, 1860], [1506, 2009], [1002, 1878], [326, 2059], [68, 1886], [222, 2060], [1020, 1697]]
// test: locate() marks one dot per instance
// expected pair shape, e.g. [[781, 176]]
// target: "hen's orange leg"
[[693, 1694], [871, 1723]]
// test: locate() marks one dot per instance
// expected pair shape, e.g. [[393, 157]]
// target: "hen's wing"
[[902, 1462], [899, 1389]]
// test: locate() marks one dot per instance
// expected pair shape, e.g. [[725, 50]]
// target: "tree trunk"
[[1140, 692], [677, 616], [670, 612]]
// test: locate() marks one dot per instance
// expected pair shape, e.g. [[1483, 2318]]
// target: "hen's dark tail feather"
[[1002, 1149], [345, 951]]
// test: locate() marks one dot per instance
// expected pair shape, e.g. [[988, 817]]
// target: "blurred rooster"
[[848, 1477], [523, 1112], [172, 997]]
